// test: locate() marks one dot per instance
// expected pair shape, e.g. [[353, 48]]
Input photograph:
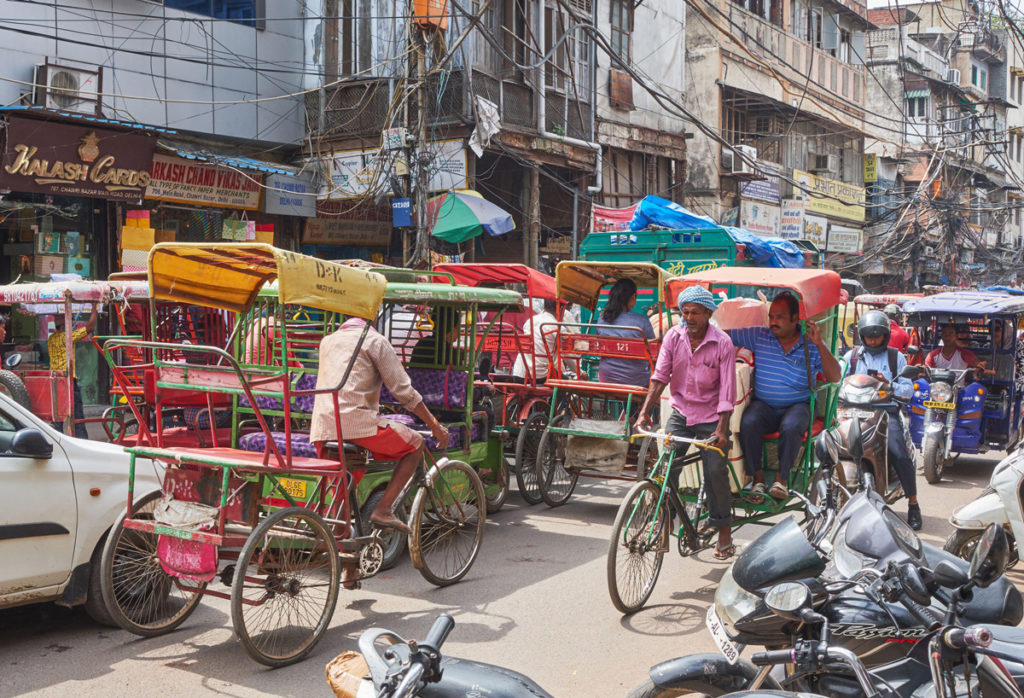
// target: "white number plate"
[[718, 634], [856, 414]]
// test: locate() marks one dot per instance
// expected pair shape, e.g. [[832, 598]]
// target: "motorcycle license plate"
[[856, 414], [717, 629], [939, 405]]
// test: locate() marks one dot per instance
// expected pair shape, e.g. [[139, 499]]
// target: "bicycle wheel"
[[497, 478], [553, 480], [139, 595], [637, 547], [447, 519], [285, 586], [526, 456]]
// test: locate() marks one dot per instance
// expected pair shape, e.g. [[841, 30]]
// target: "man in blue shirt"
[[873, 357], [782, 389]]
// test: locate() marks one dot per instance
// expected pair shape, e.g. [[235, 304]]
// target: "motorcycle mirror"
[[948, 575], [911, 372], [913, 585], [913, 349], [786, 600], [12, 361], [822, 452], [991, 556]]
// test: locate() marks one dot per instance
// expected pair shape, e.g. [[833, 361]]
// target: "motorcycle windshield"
[[867, 517], [781, 554]]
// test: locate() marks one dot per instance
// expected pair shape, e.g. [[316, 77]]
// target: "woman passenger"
[[619, 320]]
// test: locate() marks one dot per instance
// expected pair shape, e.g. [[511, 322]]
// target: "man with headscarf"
[[698, 361]]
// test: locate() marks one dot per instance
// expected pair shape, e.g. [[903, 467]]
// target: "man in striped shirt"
[[781, 400]]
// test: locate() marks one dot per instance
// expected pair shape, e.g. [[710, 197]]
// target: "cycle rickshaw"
[[642, 530], [274, 527], [522, 412], [589, 425]]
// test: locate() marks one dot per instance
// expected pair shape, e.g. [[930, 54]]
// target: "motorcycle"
[[409, 668], [998, 503], [946, 416]]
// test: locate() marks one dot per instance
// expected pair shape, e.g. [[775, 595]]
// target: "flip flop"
[[726, 552], [755, 494], [778, 491]]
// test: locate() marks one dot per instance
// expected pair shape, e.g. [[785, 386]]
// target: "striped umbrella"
[[463, 214]]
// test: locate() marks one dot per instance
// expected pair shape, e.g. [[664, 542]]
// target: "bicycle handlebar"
[[667, 438]]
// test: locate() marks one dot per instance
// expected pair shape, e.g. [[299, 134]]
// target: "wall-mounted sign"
[[191, 182], [870, 168], [289, 196], [767, 189], [791, 225], [66, 160], [843, 239], [401, 212], [834, 198], [759, 218], [815, 229], [353, 174], [343, 231]]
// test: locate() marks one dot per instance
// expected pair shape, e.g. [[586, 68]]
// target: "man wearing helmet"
[[898, 337], [878, 358]]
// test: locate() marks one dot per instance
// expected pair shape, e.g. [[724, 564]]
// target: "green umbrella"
[[463, 214]]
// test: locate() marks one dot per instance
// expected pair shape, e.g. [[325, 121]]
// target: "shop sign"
[[608, 219], [401, 212], [837, 199], [870, 167], [352, 174], [843, 239], [343, 231], [815, 229], [760, 219], [767, 189], [288, 195], [191, 182], [791, 225], [67, 160]]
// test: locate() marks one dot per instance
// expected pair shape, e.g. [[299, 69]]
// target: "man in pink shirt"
[[697, 361]]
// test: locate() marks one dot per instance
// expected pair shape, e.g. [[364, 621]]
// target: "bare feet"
[[391, 521]]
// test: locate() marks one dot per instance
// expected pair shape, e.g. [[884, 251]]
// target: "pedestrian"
[[57, 349]]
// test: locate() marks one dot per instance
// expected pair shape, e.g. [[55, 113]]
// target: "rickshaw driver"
[[698, 360], [951, 355], [781, 399], [376, 364], [57, 350]]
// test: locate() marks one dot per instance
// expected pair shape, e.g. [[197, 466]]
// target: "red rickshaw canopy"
[[817, 289], [538, 284]]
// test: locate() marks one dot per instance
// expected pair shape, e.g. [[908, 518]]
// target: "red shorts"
[[390, 442]]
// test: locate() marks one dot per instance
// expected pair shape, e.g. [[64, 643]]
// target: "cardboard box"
[[137, 238], [266, 236], [79, 265], [165, 235], [48, 264]]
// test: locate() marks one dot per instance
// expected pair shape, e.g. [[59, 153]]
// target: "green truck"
[[678, 251]]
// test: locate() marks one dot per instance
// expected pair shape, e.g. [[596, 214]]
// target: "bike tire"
[[962, 542], [934, 456], [498, 477], [555, 482], [527, 444], [12, 386], [633, 563], [452, 503]]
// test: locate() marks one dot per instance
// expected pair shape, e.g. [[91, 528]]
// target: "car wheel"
[[94, 604]]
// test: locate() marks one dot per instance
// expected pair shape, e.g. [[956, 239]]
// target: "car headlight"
[[733, 602], [847, 560], [942, 392]]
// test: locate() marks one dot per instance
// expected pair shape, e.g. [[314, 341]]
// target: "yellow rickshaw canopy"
[[230, 275], [581, 282]]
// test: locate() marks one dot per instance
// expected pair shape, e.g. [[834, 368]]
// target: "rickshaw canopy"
[[538, 284], [230, 275], [434, 293], [887, 299], [816, 289], [581, 282], [44, 297], [973, 303]]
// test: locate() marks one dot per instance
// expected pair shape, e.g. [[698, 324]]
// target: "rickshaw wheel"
[[509, 448], [527, 444], [139, 595], [636, 551], [447, 520], [13, 387], [555, 483], [933, 451], [498, 477], [285, 586], [394, 542]]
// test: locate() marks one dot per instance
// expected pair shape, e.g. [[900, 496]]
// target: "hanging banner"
[[837, 199], [58, 159], [791, 225], [760, 219], [191, 182], [607, 219], [288, 195], [353, 174], [767, 189]]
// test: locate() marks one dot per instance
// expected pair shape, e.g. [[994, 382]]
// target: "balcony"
[[884, 45], [802, 60], [983, 45]]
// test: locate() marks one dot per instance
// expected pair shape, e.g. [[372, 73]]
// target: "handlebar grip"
[[439, 631], [773, 657], [954, 638], [925, 615]]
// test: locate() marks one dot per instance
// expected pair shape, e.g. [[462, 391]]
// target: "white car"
[[59, 497]]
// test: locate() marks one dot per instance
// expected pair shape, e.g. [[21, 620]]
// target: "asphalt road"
[[535, 601]]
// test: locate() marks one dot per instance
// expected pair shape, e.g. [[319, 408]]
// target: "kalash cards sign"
[[67, 160]]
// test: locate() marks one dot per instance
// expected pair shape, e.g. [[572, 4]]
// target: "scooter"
[[999, 503], [947, 417]]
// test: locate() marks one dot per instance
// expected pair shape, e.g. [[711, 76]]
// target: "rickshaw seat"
[[256, 442], [596, 387], [817, 428], [442, 388], [241, 459]]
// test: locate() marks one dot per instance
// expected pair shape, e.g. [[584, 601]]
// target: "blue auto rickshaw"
[[967, 409]]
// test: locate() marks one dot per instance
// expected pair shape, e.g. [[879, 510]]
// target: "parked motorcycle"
[[998, 503], [408, 668]]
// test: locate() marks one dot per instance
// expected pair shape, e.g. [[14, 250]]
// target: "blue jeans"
[[759, 419]]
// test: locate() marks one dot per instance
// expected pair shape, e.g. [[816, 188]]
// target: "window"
[[814, 29], [917, 107], [355, 51], [622, 29], [979, 77], [249, 12], [845, 40], [570, 63]]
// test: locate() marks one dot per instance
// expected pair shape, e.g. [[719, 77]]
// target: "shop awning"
[[73, 117], [912, 94], [190, 152]]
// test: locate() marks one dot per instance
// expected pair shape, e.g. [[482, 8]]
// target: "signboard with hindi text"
[[830, 197], [791, 225], [343, 231]]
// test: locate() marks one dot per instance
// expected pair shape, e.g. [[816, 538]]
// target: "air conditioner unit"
[[822, 162], [68, 89], [953, 76], [733, 159]]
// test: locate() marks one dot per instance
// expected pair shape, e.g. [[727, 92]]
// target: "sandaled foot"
[[724, 553], [778, 491], [756, 492], [350, 578], [392, 522]]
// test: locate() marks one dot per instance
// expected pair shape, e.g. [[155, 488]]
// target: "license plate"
[[294, 488], [939, 405], [717, 629], [856, 414]]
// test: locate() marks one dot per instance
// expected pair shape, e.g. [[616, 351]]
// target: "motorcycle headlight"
[[942, 392], [858, 396], [847, 560], [732, 602]]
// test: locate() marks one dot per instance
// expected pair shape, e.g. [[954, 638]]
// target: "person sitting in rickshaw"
[[781, 399], [898, 337], [543, 336], [619, 320], [698, 360], [439, 347], [876, 356], [951, 355], [375, 364], [57, 350], [1006, 366]]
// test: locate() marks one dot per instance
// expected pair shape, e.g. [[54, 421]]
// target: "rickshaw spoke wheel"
[[139, 595], [285, 586], [447, 521], [498, 478], [555, 483], [637, 547], [527, 446]]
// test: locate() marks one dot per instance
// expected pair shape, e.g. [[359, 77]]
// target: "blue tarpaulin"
[[769, 252]]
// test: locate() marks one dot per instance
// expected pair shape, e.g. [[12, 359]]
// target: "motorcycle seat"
[[817, 428]]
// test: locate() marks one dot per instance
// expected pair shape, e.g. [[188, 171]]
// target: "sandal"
[[725, 553], [392, 522], [778, 491], [755, 494], [351, 584]]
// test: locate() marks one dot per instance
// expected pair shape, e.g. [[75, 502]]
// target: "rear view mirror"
[[948, 575], [31, 443], [913, 350], [990, 558], [12, 361], [911, 372], [786, 600], [913, 586]]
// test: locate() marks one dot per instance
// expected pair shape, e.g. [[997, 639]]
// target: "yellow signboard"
[[870, 168], [830, 197]]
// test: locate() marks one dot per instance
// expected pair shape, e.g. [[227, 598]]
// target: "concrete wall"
[[704, 98], [166, 67]]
